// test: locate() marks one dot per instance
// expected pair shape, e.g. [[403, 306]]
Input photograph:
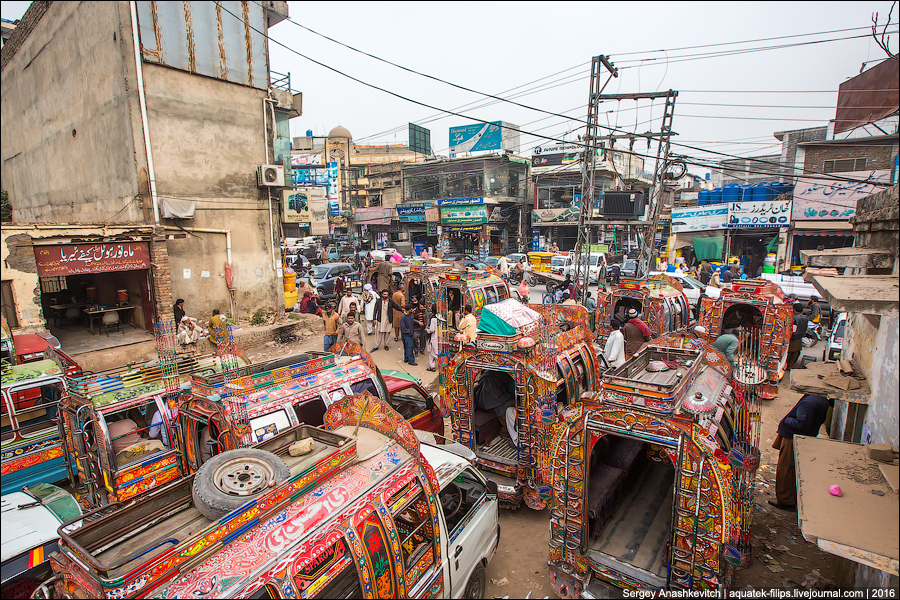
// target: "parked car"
[[792, 284], [593, 268], [324, 276], [515, 257], [628, 268], [835, 343], [474, 264], [337, 253], [458, 257], [691, 287], [492, 261], [30, 518], [413, 402]]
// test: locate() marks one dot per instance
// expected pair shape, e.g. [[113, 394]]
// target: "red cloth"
[[645, 331]]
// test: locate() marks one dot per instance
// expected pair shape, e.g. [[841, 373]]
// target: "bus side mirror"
[[492, 487]]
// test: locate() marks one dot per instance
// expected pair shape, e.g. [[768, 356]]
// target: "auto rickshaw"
[[527, 363], [659, 299], [652, 481], [540, 261], [756, 306]]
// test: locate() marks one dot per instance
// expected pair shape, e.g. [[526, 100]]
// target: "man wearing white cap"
[[636, 333]]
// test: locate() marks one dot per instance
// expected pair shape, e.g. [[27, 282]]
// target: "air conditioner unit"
[[270, 176]]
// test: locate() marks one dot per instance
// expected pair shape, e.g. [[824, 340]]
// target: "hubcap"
[[244, 476]]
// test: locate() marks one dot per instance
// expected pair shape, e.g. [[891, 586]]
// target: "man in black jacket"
[[805, 418], [384, 319], [795, 347]]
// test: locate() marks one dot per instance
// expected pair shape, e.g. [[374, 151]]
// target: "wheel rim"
[[244, 476], [475, 589]]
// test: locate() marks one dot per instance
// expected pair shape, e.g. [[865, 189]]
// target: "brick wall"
[[879, 157], [162, 276], [23, 29], [876, 223]]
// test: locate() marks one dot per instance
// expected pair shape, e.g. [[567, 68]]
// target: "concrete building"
[[478, 205], [868, 293], [142, 126], [556, 177], [349, 188]]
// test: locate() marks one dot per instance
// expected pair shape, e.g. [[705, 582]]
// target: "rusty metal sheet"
[[870, 96], [218, 39]]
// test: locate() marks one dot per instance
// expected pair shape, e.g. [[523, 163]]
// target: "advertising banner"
[[765, 213], [472, 138], [831, 200], [700, 218], [300, 160], [334, 203], [76, 259], [318, 213], [555, 216], [504, 214], [433, 227], [452, 215], [461, 201], [433, 215], [309, 177], [296, 204]]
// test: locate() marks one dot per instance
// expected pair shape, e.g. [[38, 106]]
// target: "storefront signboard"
[[461, 201], [374, 216], [555, 216], [818, 200], [412, 213], [452, 215], [318, 214], [764, 213], [701, 218], [432, 228], [386, 228], [77, 259], [299, 160], [464, 228], [433, 215]]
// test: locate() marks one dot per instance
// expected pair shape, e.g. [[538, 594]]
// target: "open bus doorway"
[[629, 506], [623, 305], [741, 315], [494, 415]]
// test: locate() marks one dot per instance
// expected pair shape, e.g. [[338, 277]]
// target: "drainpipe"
[[151, 173], [227, 233], [276, 252]]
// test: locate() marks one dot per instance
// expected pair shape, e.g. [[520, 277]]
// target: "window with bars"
[[844, 165]]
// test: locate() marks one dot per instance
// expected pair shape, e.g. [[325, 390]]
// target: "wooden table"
[[58, 311], [99, 312], [860, 525]]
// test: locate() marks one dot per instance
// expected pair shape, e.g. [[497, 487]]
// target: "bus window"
[[501, 293], [268, 426]]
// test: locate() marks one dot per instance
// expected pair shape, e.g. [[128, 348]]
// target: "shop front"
[[465, 226], [420, 220], [369, 220], [95, 287]]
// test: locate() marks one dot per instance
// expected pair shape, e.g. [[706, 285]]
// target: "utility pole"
[[588, 165]]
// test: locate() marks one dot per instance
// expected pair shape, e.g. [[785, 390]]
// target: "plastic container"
[[703, 198], [731, 193], [91, 293], [122, 295], [715, 196]]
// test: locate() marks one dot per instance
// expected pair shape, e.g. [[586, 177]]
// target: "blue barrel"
[[715, 196], [731, 193], [703, 198], [747, 193]]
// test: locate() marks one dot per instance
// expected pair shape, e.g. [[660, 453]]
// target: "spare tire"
[[231, 479]]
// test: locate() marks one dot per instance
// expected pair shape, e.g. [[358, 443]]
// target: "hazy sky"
[[493, 47]]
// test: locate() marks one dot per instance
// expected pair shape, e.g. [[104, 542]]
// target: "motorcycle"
[[812, 336]]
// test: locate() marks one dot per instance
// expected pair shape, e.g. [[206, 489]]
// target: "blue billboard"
[[471, 138]]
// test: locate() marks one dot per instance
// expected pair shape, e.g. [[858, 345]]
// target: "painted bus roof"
[[28, 371]]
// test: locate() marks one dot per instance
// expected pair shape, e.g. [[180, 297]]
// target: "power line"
[[432, 107]]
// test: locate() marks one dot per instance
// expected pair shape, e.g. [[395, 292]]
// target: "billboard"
[[496, 135], [412, 213], [301, 160], [419, 139], [816, 200], [374, 216], [700, 218], [765, 213], [555, 216], [296, 204]]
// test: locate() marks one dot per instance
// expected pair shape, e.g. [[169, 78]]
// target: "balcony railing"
[[280, 81]]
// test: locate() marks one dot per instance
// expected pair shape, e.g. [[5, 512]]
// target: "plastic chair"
[[110, 320]]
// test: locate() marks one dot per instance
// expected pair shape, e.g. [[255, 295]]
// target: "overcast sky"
[[494, 47]]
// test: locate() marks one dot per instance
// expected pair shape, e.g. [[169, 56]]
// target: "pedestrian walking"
[[383, 314], [407, 330], [339, 286], [614, 350], [805, 418], [399, 299], [419, 316], [351, 331], [346, 300], [332, 324], [367, 312], [795, 346], [433, 340]]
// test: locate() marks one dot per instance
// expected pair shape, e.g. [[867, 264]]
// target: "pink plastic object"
[[835, 490]]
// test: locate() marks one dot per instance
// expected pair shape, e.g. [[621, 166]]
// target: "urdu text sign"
[[76, 259]]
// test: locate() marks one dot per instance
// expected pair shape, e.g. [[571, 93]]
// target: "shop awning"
[[709, 248], [859, 525]]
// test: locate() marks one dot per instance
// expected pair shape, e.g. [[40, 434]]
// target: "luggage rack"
[[260, 376]]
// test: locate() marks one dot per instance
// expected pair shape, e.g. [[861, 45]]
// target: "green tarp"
[[491, 323], [709, 248]]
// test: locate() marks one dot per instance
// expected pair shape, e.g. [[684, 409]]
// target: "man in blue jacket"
[[407, 330], [805, 418]]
